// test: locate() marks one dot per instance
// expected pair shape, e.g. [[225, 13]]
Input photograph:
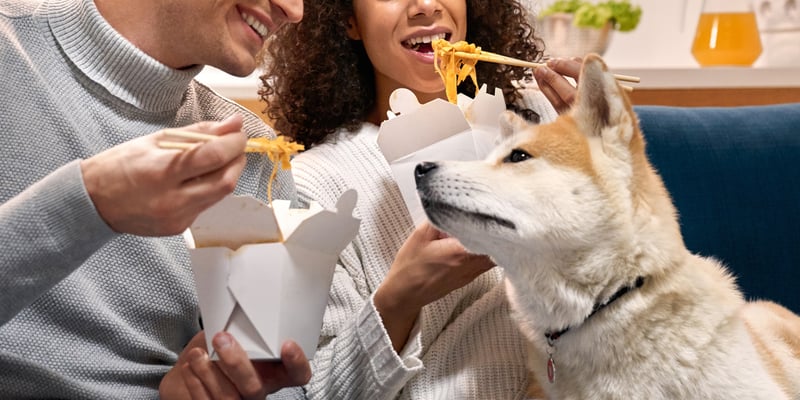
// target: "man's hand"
[[234, 376], [140, 188], [554, 84]]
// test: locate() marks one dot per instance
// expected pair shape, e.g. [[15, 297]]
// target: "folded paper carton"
[[436, 131], [263, 273]]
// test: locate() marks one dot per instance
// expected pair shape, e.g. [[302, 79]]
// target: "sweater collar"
[[111, 61]]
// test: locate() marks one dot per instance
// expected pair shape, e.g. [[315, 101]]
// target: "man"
[[97, 298]]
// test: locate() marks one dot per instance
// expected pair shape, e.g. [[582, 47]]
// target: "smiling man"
[[97, 299]]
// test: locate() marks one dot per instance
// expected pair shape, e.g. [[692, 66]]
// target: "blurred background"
[[659, 50], [664, 35]]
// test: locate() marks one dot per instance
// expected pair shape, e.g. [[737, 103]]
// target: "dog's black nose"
[[423, 168]]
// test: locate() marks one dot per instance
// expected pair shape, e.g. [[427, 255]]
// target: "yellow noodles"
[[454, 69], [278, 150]]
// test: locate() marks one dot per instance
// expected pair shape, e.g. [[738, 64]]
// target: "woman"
[[411, 313]]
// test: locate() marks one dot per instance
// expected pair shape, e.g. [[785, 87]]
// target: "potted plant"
[[577, 27]]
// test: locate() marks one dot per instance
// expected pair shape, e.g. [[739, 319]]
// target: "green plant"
[[621, 13]]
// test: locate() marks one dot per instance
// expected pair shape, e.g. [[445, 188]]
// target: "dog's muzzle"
[[438, 208]]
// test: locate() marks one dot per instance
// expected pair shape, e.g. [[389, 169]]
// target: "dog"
[[611, 302]]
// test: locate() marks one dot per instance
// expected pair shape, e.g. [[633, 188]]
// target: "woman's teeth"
[[416, 42], [257, 26]]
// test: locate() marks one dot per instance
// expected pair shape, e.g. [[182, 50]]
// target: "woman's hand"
[[428, 266], [553, 83], [234, 376]]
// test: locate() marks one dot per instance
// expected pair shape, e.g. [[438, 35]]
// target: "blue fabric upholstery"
[[734, 175]]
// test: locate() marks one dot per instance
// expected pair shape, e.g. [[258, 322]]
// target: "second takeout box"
[[263, 273], [436, 131]]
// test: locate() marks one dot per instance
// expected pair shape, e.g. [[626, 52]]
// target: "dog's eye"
[[516, 156]]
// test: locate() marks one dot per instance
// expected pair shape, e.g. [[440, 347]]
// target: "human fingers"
[[425, 232], [143, 189], [198, 341], [254, 380], [558, 90], [212, 187], [570, 67], [174, 384], [142, 196], [211, 155], [292, 370], [460, 260], [423, 272], [194, 386], [237, 366], [204, 380], [480, 263], [296, 363]]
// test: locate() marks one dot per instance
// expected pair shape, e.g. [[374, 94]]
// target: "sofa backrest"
[[734, 175]]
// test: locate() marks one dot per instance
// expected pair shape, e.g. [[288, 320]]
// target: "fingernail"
[[222, 341]]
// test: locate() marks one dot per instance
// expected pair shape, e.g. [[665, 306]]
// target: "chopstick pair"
[[253, 145], [278, 150], [501, 59]]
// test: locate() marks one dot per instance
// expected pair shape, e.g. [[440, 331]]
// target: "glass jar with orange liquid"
[[727, 34]]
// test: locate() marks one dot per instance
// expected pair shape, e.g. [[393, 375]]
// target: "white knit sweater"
[[464, 346]]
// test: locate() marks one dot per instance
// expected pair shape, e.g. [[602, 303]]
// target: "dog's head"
[[560, 198]]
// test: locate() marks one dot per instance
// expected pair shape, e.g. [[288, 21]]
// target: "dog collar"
[[553, 336]]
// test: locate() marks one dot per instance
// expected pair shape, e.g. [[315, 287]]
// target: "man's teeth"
[[424, 39], [257, 26]]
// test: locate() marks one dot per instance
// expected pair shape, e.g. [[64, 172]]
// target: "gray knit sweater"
[[465, 346], [85, 312]]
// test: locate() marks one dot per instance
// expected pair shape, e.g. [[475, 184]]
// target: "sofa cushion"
[[734, 175]]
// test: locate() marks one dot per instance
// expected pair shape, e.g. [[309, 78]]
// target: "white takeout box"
[[436, 131], [258, 286]]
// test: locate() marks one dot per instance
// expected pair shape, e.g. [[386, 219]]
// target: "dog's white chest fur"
[[648, 346]]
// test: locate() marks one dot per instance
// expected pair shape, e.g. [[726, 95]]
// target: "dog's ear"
[[510, 122], [600, 101]]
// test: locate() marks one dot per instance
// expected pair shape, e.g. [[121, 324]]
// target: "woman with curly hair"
[[411, 313]]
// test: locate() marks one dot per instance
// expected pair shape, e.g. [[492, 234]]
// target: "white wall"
[[666, 31], [662, 39]]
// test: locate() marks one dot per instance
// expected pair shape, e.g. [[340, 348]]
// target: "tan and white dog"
[[613, 304]]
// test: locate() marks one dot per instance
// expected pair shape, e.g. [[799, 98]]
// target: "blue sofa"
[[734, 175]]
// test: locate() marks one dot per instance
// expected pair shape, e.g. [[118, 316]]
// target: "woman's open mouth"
[[422, 44]]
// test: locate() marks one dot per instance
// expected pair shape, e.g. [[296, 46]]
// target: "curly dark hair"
[[317, 80]]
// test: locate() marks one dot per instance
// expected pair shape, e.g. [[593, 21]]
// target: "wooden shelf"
[[722, 97], [715, 86]]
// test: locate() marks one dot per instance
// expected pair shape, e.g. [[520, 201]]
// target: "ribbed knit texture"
[[84, 312], [467, 346]]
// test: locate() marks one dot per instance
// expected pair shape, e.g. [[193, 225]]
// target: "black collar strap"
[[553, 336]]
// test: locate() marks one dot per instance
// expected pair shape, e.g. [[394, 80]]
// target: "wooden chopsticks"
[[253, 145], [501, 59], [278, 149]]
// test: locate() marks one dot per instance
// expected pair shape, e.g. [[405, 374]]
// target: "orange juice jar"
[[727, 34]]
